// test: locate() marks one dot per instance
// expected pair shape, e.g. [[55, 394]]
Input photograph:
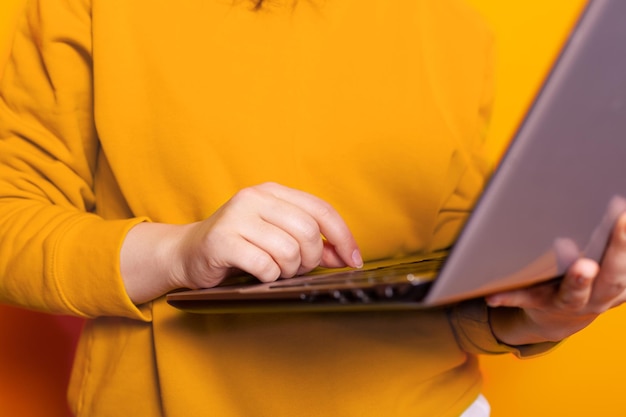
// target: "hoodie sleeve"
[[55, 254]]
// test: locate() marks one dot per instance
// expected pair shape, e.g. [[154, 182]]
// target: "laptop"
[[554, 197]]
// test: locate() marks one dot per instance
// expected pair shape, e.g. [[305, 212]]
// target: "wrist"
[[150, 261], [511, 326]]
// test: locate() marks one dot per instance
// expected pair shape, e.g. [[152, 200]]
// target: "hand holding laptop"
[[554, 311]]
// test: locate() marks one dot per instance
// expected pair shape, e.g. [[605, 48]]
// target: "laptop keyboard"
[[408, 281]]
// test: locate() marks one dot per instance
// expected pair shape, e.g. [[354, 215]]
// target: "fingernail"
[[582, 280], [493, 301], [357, 259], [586, 272]]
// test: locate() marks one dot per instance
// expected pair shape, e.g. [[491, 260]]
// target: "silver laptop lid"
[[562, 183]]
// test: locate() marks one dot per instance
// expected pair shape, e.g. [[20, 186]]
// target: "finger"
[[248, 257], [330, 257], [258, 263], [282, 247], [537, 296], [305, 235], [330, 223], [577, 284], [258, 207], [611, 281]]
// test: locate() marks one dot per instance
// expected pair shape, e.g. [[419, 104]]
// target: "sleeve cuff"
[[470, 321], [85, 268]]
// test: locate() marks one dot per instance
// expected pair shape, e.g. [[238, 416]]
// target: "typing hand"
[[269, 230]]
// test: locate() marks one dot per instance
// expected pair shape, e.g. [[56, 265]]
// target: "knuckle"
[[573, 303], [245, 194], [308, 266], [612, 290], [288, 252], [264, 268], [573, 298], [324, 210], [617, 288], [311, 259], [268, 185], [310, 232], [266, 188], [290, 268]]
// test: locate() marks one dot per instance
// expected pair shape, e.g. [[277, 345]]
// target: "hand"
[[554, 311], [269, 231]]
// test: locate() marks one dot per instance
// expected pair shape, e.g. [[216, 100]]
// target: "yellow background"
[[582, 378]]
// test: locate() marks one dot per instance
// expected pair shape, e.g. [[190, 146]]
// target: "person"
[[152, 146]]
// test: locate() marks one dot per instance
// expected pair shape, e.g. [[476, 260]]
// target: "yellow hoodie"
[[115, 112]]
